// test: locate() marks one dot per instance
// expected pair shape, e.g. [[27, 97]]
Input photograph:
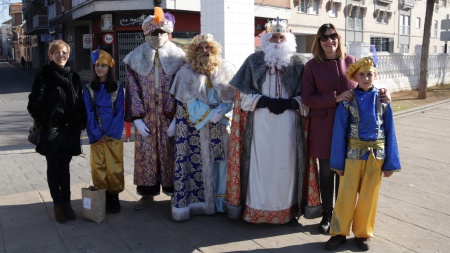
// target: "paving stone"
[[31, 237], [59, 247], [414, 206]]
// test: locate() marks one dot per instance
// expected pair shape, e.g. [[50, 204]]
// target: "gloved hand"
[[293, 104], [172, 128], [262, 102], [216, 117], [288, 104], [276, 106], [141, 127]]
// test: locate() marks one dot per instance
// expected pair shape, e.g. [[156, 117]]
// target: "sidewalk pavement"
[[413, 213]]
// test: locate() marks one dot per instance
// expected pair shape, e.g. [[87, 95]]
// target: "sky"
[[4, 9]]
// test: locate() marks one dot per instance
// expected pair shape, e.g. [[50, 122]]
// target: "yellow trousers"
[[363, 177], [107, 165]]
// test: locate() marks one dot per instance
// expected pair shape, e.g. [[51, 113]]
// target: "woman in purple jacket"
[[324, 85]]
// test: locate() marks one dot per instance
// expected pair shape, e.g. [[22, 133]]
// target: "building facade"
[[6, 39], [15, 11], [392, 26]]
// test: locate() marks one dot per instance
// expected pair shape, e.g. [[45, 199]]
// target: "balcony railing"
[[40, 21], [385, 1], [407, 4], [78, 2]]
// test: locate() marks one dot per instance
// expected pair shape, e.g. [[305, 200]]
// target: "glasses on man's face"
[[61, 53], [157, 32], [332, 36]]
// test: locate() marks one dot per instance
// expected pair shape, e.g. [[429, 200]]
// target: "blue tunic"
[[112, 119], [364, 118]]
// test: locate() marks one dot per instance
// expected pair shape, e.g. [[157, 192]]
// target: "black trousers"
[[153, 190], [58, 178], [329, 184]]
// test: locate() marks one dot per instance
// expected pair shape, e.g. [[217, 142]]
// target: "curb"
[[420, 108]]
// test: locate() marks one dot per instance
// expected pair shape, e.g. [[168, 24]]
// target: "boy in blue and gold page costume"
[[364, 147]]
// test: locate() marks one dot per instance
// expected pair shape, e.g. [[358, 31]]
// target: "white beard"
[[278, 54]]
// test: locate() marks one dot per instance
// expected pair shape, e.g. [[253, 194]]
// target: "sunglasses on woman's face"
[[332, 36]]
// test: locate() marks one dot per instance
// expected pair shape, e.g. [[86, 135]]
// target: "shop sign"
[[130, 19]]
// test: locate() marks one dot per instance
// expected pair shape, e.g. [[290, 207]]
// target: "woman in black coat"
[[57, 107]]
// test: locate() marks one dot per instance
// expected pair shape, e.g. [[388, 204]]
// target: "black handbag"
[[34, 134], [63, 140]]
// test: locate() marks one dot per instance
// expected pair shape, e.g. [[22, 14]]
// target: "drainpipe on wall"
[[346, 20]]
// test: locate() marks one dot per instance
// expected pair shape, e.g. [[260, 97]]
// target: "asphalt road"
[[15, 85]]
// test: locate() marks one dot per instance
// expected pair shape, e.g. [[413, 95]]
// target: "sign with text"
[[135, 19], [87, 41], [46, 38], [108, 38]]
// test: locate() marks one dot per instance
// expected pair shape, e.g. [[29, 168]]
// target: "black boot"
[[324, 226], [114, 203], [68, 210], [108, 201], [60, 216]]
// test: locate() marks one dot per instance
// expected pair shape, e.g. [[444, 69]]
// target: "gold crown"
[[206, 37], [363, 64], [106, 58], [276, 26]]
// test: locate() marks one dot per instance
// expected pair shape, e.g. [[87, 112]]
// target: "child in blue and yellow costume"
[[364, 148], [104, 101]]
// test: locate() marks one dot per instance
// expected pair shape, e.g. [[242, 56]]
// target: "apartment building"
[[15, 11], [394, 26], [6, 39]]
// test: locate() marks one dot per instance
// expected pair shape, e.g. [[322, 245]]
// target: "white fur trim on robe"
[[188, 84], [141, 59]]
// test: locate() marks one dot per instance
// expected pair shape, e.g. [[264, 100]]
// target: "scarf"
[[63, 78]]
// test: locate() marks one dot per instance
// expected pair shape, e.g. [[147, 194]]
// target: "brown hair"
[[57, 44], [317, 50]]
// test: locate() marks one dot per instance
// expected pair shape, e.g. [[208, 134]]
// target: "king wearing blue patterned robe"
[[201, 128]]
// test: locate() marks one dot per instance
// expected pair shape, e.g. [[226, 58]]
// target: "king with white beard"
[[267, 149]]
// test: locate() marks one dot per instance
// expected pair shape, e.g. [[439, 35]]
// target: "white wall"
[[232, 23]]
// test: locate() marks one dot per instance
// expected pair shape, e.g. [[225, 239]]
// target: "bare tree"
[[423, 78]]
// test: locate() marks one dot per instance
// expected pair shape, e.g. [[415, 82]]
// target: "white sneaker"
[[143, 202]]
